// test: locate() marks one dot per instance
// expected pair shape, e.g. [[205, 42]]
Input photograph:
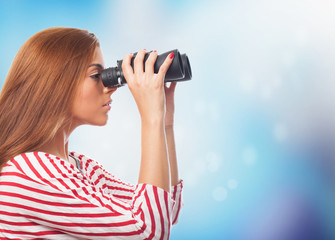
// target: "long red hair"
[[38, 93]]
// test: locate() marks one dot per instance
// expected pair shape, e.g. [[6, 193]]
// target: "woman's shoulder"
[[42, 165], [31, 158], [39, 164], [43, 157]]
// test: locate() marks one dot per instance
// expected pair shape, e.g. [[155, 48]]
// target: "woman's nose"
[[109, 89]]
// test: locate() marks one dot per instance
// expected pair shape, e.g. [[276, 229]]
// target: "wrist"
[[169, 127], [152, 121], [169, 121]]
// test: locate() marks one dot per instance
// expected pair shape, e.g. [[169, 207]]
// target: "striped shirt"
[[45, 197]]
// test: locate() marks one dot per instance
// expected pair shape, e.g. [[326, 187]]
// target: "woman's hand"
[[147, 87], [169, 99]]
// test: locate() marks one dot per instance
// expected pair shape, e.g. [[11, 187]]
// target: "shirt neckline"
[[77, 163]]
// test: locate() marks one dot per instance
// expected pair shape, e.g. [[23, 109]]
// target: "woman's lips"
[[107, 105]]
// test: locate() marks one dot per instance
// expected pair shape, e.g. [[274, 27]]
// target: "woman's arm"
[[147, 89], [172, 156], [169, 130]]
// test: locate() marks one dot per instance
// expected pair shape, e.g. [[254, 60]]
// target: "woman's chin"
[[102, 122], [98, 122]]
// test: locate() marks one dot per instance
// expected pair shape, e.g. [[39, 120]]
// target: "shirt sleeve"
[[125, 191], [179, 203], [51, 193]]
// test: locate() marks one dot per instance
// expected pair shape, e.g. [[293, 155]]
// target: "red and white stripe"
[[43, 196]]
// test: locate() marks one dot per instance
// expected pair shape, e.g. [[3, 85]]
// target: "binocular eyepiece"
[[179, 70]]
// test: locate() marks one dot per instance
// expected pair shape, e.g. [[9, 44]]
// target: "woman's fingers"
[[138, 62], [150, 63], [165, 66], [137, 71]]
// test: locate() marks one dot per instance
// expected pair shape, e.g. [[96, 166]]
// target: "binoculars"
[[179, 70]]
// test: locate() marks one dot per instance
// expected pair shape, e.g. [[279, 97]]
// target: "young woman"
[[47, 192]]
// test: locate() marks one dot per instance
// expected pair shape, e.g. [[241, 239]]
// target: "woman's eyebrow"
[[96, 65]]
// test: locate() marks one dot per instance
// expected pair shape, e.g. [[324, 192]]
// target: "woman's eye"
[[96, 76]]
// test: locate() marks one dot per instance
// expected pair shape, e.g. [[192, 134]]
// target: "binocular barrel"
[[179, 70]]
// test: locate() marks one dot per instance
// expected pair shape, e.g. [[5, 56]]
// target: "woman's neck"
[[58, 146]]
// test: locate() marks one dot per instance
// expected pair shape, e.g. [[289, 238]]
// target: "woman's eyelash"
[[96, 76]]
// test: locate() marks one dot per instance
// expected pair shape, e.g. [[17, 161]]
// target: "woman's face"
[[92, 101]]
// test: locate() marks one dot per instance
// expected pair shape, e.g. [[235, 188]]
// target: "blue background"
[[255, 126]]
